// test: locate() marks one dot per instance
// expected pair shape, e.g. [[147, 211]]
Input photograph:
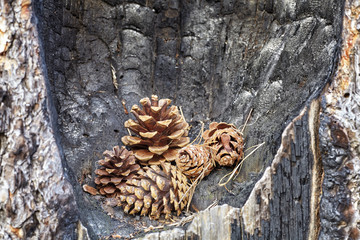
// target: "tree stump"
[[67, 67]]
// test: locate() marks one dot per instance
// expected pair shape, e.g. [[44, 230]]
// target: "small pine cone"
[[161, 131], [193, 160], [117, 166], [226, 143], [155, 190]]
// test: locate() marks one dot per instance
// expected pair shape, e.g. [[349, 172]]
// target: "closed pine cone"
[[193, 160], [117, 166], [226, 143], [161, 131], [155, 190]]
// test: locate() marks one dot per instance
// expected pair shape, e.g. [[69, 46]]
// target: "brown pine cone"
[[155, 190], [226, 143], [161, 131], [117, 166], [193, 160]]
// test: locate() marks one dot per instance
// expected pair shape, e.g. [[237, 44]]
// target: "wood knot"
[[338, 135]]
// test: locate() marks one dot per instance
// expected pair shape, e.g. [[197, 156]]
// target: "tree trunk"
[[67, 66], [36, 199]]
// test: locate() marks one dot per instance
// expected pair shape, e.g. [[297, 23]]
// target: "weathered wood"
[[218, 59], [339, 139]]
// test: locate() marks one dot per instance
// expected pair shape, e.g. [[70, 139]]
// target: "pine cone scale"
[[181, 142], [143, 155], [161, 127], [148, 121], [158, 149], [101, 172], [116, 180], [155, 110], [170, 155], [145, 184], [109, 189], [139, 193], [148, 134]]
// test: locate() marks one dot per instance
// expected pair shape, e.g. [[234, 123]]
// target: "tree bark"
[[36, 199], [67, 66]]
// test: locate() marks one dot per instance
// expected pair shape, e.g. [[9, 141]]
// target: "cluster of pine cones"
[[153, 178]]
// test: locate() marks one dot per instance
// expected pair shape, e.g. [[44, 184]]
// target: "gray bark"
[[36, 199], [61, 108]]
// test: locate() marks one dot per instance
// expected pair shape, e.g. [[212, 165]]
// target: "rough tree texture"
[[36, 199], [340, 138], [217, 59]]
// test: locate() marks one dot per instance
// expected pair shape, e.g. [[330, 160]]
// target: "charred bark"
[[67, 66]]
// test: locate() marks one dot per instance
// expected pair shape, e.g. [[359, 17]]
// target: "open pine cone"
[[161, 131], [155, 190], [117, 166], [152, 191], [193, 160], [226, 143]]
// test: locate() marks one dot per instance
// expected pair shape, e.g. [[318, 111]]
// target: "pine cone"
[[161, 131], [155, 190], [193, 160], [117, 166], [226, 143]]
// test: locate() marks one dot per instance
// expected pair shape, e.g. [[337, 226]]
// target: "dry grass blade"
[[215, 203], [233, 172], [247, 119], [182, 114], [198, 137], [129, 132], [249, 148]]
